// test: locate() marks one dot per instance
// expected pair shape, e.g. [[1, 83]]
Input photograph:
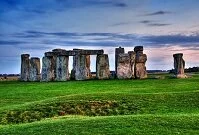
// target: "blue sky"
[[163, 27]]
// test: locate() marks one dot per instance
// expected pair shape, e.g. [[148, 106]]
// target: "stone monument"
[[34, 69], [25, 67], [124, 66], [179, 65], [140, 60], [102, 67], [118, 51]]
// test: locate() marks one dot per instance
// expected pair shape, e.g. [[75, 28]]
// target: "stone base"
[[181, 76]]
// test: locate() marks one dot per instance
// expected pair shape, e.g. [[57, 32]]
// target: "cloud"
[[182, 40], [145, 21], [121, 23], [120, 5], [158, 24], [88, 3], [11, 42], [158, 13], [45, 40], [153, 23]]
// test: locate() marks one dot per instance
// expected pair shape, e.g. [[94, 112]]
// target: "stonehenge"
[[179, 65], [55, 65]]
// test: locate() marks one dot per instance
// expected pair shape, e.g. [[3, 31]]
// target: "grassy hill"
[[151, 106]]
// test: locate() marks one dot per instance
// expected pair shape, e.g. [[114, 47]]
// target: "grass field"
[[151, 106]]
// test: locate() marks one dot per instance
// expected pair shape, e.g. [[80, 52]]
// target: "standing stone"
[[117, 52], [82, 67], [62, 73], [34, 69], [88, 64], [25, 67], [179, 65], [140, 60], [47, 69], [72, 76], [132, 55], [102, 67], [124, 66]]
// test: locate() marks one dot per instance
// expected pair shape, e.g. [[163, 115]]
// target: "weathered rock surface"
[[47, 69], [34, 69], [140, 60], [179, 65], [132, 55], [117, 52], [75, 57], [25, 67], [102, 67], [62, 72], [140, 71], [124, 67], [82, 67]]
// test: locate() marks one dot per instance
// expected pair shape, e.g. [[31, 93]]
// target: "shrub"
[[88, 108]]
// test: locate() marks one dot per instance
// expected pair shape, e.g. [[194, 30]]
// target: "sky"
[[163, 27]]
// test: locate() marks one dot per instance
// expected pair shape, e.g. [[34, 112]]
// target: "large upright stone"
[[82, 67], [72, 76], [56, 53], [62, 73], [140, 60], [73, 71], [34, 69], [52, 56], [124, 66], [132, 55], [117, 52], [179, 65], [47, 69], [25, 67], [102, 67]]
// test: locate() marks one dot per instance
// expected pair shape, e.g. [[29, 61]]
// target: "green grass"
[[138, 124], [164, 106]]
